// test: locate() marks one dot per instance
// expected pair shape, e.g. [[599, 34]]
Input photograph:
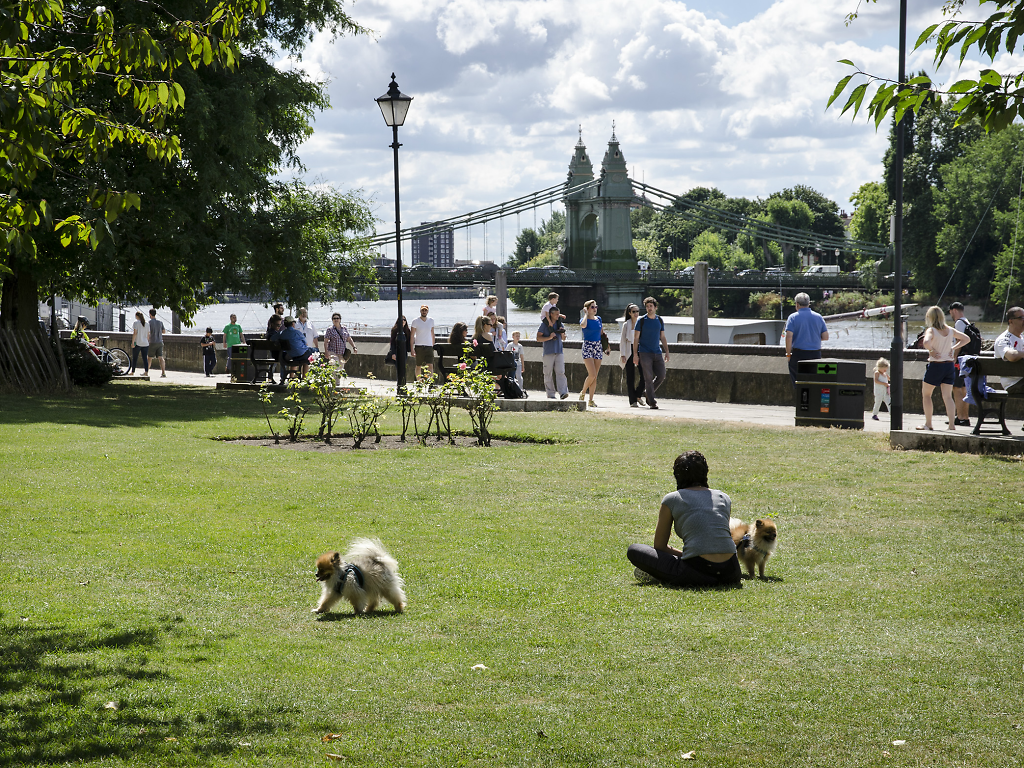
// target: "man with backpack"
[[650, 349], [965, 326]]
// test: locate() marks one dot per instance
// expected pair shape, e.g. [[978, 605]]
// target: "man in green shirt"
[[232, 335]]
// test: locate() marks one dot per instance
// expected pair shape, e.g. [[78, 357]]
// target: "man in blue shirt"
[[552, 333], [294, 351], [650, 349], [805, 330]]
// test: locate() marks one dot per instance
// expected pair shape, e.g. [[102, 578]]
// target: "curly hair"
[[691, 469]]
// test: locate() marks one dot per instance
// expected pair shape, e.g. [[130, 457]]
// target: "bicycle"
[[115, 357]]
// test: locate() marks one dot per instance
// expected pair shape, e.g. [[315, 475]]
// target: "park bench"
[[263, 357], [992, 409], [499, 363]]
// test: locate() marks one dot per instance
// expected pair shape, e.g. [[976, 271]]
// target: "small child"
[[498, 331], [490, 306], [209, 346], [517, 354], [552, 302], [881, 386]]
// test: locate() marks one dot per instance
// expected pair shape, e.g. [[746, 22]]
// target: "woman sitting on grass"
[[701, 518]]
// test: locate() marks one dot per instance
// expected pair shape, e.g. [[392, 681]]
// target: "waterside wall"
[[731, 373]]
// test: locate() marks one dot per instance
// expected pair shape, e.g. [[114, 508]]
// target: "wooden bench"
[[992, 409], [498, 363]]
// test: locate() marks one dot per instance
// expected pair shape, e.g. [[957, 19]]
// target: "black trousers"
[[692, 572], [634, 391]]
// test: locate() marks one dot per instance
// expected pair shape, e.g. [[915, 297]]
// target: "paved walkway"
[[740, 413]]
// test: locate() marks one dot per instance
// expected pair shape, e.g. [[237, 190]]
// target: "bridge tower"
[[598, 233]]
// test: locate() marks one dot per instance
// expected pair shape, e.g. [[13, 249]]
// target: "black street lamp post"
[[898, 342], [394, 105]]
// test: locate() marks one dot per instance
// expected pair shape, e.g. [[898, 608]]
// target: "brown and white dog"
[[367, 575], [754, 543]]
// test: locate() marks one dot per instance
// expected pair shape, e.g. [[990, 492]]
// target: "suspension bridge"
[[597, 258]]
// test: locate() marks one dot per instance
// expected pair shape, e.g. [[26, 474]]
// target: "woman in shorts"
[[700, 516], [941, 341], [590, 324]]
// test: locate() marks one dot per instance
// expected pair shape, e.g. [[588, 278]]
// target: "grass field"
[[155, 589]]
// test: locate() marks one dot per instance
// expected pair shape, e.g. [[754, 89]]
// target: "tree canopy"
[[995, 99], [207, 209]]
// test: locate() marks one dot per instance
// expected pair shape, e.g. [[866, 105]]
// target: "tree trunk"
[[19, 301]]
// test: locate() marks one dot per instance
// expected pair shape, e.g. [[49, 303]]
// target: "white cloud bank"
[[500, 87]]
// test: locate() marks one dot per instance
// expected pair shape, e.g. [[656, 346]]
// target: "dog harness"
[[350, 570], [748, 541]]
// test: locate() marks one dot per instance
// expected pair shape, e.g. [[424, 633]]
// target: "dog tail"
[[738, 529], [372, 550]]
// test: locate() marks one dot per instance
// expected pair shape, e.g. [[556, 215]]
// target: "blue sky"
[[726, 94]]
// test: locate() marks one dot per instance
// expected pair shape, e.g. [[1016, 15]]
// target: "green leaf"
[[840, 87], [847, 62], [991, 77], [923, 37], [962, 86], [162, 93]]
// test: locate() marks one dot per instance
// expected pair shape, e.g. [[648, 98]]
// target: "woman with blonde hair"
[[590, 324], [941, 341]]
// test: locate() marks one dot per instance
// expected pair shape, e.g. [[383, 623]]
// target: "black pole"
[[400, 341], [896, 386]]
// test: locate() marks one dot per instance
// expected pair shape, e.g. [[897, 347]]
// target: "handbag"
[[605, 344], [502, 359], [389, 358]]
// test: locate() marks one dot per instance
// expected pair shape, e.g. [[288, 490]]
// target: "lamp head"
[[394, 104]]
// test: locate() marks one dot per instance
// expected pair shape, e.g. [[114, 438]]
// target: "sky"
[[703, 93]]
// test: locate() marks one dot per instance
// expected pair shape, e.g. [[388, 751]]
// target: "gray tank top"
[[702, 520]]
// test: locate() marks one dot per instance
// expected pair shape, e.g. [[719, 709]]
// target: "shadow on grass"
[[129, 406], [70, 696], [366, 616]]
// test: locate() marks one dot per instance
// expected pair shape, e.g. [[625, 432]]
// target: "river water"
[[377, 317]]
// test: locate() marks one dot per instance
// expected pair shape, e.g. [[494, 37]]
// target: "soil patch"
[[387, 442]]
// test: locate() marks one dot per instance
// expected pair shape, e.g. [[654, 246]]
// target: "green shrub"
[[84, 368]]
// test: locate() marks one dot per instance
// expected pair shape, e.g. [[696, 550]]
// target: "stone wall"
[[731, 373]]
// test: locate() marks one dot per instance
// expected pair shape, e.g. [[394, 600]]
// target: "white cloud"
[[698, 97]]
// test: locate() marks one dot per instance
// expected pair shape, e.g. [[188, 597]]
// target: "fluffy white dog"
[[367, 575]]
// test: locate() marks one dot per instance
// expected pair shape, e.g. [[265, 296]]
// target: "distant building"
[[433, 245], [384, 262]]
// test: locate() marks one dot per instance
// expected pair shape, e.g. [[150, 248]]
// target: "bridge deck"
[[787, 281]]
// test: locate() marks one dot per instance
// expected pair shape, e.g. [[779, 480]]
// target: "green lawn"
[[155, 589]]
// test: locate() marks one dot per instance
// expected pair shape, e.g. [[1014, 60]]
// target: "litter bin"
[[239, 363], [830, 393]]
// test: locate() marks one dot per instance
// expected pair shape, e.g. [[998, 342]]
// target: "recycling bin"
[[830, 393], [239, 363]]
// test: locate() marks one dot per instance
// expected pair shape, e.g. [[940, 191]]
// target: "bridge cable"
[[1016, 229], [966, 247]]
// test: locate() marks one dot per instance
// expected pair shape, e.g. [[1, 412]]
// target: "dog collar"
[[756, 548], [350, 569]]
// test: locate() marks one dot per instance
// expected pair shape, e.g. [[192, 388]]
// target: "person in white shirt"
[[423, 342], [1010, 346], [551, 302], [308, 330], [516, 348], [635, 391]]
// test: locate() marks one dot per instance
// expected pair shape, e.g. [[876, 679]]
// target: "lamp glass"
[[394, 105]]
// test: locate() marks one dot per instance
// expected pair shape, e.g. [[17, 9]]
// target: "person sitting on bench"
[[294, 351]]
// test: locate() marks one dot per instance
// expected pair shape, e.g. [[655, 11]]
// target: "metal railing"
[[542, 278]]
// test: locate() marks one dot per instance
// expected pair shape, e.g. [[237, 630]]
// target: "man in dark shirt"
[[294, 350]]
